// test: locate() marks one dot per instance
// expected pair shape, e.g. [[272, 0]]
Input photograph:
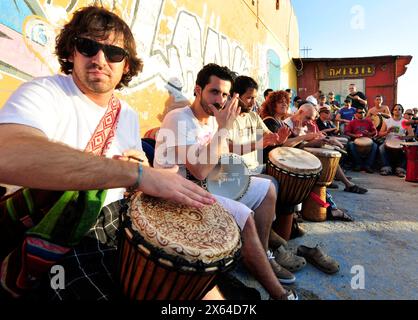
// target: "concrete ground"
[[382, 242]]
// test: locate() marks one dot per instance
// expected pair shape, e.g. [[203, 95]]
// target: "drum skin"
[[230, 178], [296, 171], [363, 145], [172, 251]]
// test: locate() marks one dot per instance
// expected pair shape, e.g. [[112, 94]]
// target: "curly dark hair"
[[98, 23], [268, 108], [212, 69]]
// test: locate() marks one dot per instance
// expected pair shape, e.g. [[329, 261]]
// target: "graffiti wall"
[[175, 38]]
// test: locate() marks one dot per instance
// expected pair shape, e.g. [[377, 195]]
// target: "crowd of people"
[[76, 135]]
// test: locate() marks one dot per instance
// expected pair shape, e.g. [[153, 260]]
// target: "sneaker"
[[281, 273], [289, 295], [385, 171], [287, 259], [400, 172]]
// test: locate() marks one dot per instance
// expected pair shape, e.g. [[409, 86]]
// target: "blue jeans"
[[386, 160], [358, 161]]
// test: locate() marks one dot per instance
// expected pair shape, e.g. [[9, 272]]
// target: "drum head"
[[205, 235], [230, 178], [363, 142], [393, 143], [410, 144], [323, 152], [295, 160]]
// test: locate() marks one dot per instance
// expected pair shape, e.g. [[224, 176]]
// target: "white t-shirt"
[[249, 128], [64, 114], [181, 128], [397, 125]]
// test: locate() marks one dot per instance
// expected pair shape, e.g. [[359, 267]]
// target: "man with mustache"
[[194, 138]]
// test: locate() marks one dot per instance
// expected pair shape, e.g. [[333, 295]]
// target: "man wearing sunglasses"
[[47, 123], [357, 128]]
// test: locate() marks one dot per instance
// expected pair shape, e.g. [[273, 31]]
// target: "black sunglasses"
[[89, 48], [361, 112], [409, 114]]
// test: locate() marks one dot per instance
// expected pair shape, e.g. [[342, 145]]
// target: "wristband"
[[139, 177]]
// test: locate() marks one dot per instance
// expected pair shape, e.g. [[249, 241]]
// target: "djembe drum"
[[411, 151], [172, 251], [393, 148], [363, 145], [230, 178], [296, 171], [314, 208]]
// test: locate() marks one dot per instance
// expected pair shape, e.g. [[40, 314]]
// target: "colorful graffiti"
[[175, 38]]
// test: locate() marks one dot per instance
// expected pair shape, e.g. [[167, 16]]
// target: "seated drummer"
[[324, 122], [44, 127], [357, 128], [303, 124], [412, 121], [394, 128], [248, 137], [194, 138]]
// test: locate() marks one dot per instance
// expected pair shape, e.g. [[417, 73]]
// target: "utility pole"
[[305, 51]]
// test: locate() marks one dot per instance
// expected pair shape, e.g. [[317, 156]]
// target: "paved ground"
[[383, 241]]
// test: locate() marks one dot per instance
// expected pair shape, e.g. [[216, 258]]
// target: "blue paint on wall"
[[13, 13], [273, 62]]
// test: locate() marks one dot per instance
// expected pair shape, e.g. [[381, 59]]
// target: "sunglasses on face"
[[361, 112], [89, 48], [409, 114]]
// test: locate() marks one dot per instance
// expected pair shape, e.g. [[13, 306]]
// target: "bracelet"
[[138, 179]]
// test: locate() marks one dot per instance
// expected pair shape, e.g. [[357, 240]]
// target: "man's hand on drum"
[[226, 116], [335, 142], [314, 136], [166, 184]]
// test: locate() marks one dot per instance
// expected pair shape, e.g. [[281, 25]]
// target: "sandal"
[[355, 189], [385, 171], [319, 259], [343, 216], [288, 260]]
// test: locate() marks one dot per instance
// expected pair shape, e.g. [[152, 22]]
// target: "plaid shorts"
[[89, 268]]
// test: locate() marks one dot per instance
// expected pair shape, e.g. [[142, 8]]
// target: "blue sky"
[[347, 28]]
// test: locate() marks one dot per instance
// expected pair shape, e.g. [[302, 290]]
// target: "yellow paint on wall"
[[8, 84]]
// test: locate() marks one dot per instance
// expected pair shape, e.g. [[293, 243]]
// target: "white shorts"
[[252, 199]]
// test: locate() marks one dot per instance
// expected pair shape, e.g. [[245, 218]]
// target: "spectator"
[[358, 98]]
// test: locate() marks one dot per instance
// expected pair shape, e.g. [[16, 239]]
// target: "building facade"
[[371, 75]]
